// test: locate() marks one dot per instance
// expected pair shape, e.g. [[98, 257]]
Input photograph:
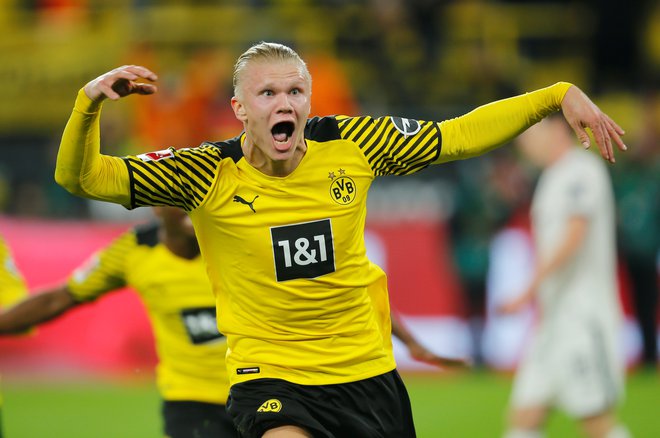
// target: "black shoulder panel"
[[147, 234], [229, 148], [322, 129]]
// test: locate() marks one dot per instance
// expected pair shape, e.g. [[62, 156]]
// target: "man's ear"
[[239, 109]]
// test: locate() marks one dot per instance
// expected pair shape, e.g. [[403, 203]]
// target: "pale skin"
[[268, 94], [545, 144], [273, 92]]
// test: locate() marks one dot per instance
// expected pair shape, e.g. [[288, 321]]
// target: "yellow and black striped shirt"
[[180, 305], [286, 255]]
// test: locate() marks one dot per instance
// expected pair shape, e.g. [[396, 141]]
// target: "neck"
[[560, 152], [267, 165]]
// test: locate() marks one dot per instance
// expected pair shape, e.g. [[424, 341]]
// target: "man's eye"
[[295, 91], [268, 93]]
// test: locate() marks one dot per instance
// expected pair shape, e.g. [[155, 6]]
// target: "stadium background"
[[423, 59]]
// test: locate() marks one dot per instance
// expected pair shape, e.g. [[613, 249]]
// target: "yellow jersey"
[[12, 284], [286, 255], [181, 308]]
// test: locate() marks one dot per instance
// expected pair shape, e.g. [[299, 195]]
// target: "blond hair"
[[270, 52]]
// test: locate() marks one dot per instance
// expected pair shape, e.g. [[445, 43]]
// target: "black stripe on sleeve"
[[349, 126], [182, 179], [403, 156], [131, 182], [322, 129], [387, 149]]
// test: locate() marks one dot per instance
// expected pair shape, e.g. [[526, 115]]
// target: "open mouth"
[[282, 131]]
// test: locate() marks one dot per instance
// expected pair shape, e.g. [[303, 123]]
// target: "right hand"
[[121, 82], [580, 112]]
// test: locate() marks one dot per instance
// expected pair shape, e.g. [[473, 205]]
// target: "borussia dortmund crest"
[[342, 188], [272, 405]]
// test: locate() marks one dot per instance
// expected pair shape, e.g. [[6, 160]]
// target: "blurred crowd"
[[424, 59]]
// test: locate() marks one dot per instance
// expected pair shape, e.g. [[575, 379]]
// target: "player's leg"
[[592, 383], [603, 425], [527, 421], [287, 432], [532, 393]]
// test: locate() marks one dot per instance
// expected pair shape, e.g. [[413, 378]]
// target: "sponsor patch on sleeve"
[[157, 155]]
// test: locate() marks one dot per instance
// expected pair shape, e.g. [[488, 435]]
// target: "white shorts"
[[579, 372]]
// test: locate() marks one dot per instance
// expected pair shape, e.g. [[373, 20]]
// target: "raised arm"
[[81, 168], [36, 309], [491, 125]]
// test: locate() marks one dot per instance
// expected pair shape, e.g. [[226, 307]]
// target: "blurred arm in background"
[[418, 351], [36, 309]]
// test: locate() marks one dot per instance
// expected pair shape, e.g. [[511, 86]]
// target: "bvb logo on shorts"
[[342, 188], [272, 405]]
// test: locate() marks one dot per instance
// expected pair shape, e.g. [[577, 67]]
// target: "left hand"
[[580, 112], [421, 354]]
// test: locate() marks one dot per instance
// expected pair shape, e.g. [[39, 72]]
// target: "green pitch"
[[470, 405]]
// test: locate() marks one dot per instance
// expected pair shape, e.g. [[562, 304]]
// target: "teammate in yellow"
[[279, 212], [161, 262], [12, 287]]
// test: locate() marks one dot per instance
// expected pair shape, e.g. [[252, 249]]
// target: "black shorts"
[[191, 419], [378, 407]]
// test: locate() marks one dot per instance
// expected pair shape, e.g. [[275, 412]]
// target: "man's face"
[[273, 102], [540, 142]]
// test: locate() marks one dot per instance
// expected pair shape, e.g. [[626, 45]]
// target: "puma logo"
[[243, 201]]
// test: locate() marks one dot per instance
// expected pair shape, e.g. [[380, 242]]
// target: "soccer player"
[[162, 263], [12, 287], [573, 362], [279, 212]]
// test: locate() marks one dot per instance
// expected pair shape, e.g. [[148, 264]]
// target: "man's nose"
[[284, 103]]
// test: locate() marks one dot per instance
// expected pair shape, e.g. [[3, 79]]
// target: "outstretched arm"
[[496, 123], [80, 167], [418, 351], [36, 309]]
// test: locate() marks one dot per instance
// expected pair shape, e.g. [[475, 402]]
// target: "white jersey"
[[584, 289], [574, 360]]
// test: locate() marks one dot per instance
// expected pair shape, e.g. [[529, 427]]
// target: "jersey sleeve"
[[582, 192], [104, 271], [12, 283], [81, 168], [393, 145], [177, 177], [492, 125]]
